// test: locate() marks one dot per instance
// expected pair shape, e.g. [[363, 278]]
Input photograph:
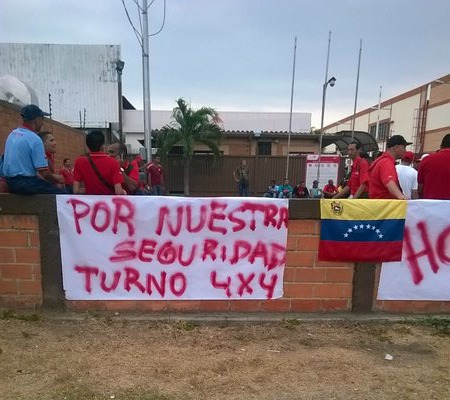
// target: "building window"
[[383, 130], [264, 148]]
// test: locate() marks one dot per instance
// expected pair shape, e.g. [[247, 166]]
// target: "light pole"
[[331, 82], [356, 90], [119, 68], [290, 113], [327, 82]]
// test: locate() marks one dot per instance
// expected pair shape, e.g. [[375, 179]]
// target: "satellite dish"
[[15, 91]]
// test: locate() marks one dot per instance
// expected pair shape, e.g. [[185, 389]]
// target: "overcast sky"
[[237, 55]]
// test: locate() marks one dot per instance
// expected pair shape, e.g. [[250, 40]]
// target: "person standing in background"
[[407, 176], [242, 177], [434, 173], [357, 185], [129, 169], [383, 183], [155, 177]]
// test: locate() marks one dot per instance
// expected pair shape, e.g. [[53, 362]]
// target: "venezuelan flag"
[[361, 230]]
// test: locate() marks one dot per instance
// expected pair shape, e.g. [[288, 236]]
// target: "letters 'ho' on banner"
[[169, 248], [424, 271], [361, 230]]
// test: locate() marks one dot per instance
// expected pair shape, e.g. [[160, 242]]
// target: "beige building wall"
[[421, 115]]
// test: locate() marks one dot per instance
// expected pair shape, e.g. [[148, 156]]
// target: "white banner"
[[169, 248], [424, 272], [329, 168]]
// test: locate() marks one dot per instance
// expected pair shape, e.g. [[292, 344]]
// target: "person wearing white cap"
[[407, 176], [24, 157]]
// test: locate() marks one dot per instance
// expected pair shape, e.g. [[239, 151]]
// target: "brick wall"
[[70, 142], [20, 268], [31, 272]]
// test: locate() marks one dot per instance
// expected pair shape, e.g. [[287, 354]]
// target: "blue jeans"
[[243, 189], [32, 185], [157, 190]]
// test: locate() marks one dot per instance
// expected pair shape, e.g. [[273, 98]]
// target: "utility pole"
[[356, 91], [143, 39], [146, 83], [290, 113]]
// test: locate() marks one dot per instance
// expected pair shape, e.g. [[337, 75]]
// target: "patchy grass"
[[440, 326], [186, 326], [291, 324], [10, 314]]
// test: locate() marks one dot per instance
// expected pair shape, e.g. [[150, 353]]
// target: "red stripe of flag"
[[360, 251]]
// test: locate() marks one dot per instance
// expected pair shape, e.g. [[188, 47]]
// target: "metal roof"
[[343, 138], [78, 78]]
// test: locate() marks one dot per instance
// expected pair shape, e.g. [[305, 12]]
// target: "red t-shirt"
[[330, 189], [51, 161], [131, 169], [359, 174], [108, 168], [155, 172], [434, 175], [67, 174], [134, 172], [382, 171]]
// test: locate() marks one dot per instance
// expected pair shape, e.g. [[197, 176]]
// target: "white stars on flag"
[[361, 228]]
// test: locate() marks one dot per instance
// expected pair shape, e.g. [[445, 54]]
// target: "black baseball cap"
[[31, 112], [397, 140]]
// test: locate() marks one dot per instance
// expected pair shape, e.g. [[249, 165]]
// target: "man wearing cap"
[[407, 176], [383, 180], [24, 157], [357, 186], [434, 173]]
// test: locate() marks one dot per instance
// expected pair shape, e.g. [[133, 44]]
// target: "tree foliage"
[[187, 128]]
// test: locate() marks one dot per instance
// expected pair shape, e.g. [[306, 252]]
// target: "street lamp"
[[119, 68], [331, 82]]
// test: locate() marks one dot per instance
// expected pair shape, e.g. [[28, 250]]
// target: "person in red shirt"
[[383, 182], [434, 173], [129, 169], [357, 185], [99, 172], [330, 190], [67, 173], [155, 176], [49, 141]]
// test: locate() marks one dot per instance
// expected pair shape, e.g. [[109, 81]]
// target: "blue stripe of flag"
[[385, 230]]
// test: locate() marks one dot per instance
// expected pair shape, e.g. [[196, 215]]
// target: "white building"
[[233, 121], [81, 80]]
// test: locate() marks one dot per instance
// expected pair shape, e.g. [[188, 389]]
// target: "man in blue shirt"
[[24, 157]]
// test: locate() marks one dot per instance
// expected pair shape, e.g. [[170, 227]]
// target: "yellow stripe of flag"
[[362, 209]]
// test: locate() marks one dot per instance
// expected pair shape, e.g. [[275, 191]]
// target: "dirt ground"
[[113, 357]]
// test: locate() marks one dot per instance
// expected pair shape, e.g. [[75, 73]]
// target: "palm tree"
[[187, 127]]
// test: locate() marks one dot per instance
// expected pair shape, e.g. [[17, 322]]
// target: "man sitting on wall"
[[285, 190], [24, 158], [330, 190]]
